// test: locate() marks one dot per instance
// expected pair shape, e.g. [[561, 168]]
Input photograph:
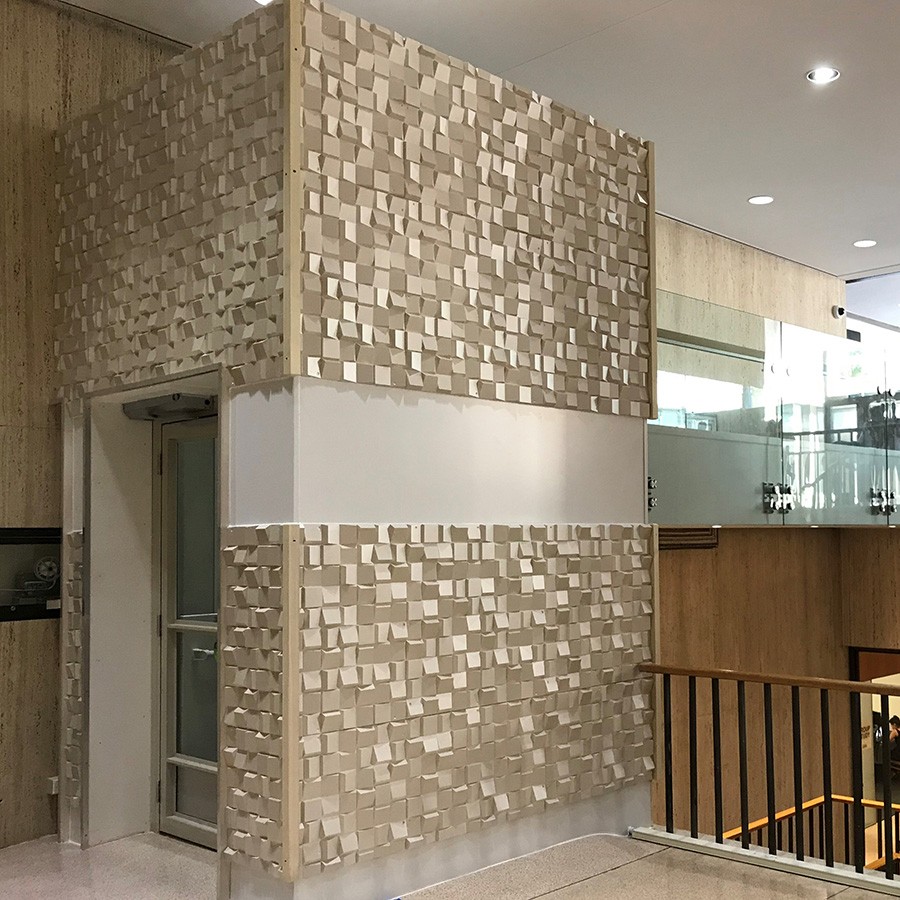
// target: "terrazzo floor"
[[150, 867]]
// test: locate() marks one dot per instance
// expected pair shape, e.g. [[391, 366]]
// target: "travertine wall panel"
[[452, 676], [252, 657], [170, 253], [460, 234], [56, 62], [71, 794]]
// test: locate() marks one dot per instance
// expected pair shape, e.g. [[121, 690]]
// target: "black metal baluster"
[[826, 778], [667, 750], [879, 849], [717, 760], [798, 769], [780, 832], [821, 817], [846, 833], [791, 832], [692, 717], [770, 765], [742, 760], [811, 816], [859, 829], [886, 791]]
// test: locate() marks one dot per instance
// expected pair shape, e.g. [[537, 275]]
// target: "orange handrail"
[[815, 803]]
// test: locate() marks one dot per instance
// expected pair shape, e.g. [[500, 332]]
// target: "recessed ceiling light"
[[823, 74], [864, 244], [761, 200], [263, 2]]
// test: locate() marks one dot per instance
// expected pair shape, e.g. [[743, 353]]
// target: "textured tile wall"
[[170, 253], [463, 235], [73, 685], [251, 758], [453, 676]]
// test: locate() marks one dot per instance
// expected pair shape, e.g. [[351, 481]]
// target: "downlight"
[[823, 75], [761, 200], [864, 245]]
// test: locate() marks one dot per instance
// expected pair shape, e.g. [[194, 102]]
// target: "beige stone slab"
[[539, 873], [682, 875]]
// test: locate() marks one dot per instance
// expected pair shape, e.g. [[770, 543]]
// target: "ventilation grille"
[[673, 538]]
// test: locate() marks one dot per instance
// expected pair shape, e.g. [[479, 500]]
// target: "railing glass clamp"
[[777, 498]]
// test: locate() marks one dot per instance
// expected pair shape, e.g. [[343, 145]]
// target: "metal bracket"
[[777, 498], [883, 502], [652, 502]]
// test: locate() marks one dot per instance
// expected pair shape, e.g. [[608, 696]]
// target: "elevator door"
[[188, 763]]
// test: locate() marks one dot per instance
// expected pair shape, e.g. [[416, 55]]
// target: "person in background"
[[894, 737]]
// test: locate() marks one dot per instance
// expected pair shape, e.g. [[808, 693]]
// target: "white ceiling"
[[876, 298], [717, 84]]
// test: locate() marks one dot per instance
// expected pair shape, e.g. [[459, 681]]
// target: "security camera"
[[838, 312]]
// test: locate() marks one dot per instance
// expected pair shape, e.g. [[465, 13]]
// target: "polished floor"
[[150, 867], [146, 867], [618, 868]]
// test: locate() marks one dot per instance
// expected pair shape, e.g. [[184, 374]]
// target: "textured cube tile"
[[512, 688], [72, 719], [170, 251], [462, 235], [252, 657]]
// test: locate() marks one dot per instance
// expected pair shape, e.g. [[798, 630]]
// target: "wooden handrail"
[[815, 803], [868, 804], [830, 684]]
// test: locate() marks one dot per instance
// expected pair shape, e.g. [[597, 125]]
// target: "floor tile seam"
[[600, 874]]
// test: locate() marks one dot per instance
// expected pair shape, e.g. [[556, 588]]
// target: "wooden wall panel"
[[871, 586], [55, 63], [706, 266], [29, 723], [766, 600]]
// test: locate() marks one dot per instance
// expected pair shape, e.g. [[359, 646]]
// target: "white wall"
[[367, 454], [120, 625]]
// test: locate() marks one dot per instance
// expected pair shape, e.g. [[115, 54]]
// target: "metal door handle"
[[200, 654]]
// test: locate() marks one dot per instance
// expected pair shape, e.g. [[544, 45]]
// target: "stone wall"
[[460, 234], [170, 254], [455, 676]]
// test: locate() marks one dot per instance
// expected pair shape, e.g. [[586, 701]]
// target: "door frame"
[[166, 819]]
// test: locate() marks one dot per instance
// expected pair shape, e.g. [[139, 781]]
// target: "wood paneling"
[[55, 63], [29, 723], [871, 585], [705, 266], [769, 601]]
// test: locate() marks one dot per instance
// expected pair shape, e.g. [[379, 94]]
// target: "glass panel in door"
[[833, 415], [189, 732]]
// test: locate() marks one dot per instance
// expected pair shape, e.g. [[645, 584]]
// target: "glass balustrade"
[[766, 423], [717, 439]]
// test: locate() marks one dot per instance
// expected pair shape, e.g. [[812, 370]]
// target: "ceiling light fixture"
[[823, 74], [263, 2], [864, 244], [761, 200]]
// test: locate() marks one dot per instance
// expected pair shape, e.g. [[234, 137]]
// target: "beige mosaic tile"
[[73, 685], [170, 253], [454, 676], [252, 658], [463, 235]]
